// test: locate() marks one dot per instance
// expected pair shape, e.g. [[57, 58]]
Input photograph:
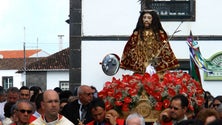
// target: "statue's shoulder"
[[161, 31], [135, 33]]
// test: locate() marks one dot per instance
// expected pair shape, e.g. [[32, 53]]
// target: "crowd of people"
[[24, 106], [207, 114], [147, 50], [33, 106]]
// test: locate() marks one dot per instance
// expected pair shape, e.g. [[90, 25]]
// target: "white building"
[[119, 17]]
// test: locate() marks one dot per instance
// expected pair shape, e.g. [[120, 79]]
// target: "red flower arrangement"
[[124, 94]]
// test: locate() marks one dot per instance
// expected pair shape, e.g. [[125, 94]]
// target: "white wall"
[[16, 77], [92, 73], [119, 17], [53, 78], [109, 17]]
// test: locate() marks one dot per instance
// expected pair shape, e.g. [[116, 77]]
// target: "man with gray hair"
[[135, 119], [23, 111], [12, 96], [78, 111]]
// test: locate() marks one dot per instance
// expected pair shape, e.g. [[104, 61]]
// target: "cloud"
[[4, 6]]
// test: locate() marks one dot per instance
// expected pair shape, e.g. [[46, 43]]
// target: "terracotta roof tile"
[[18, 53], [59, 60], [15, 63]]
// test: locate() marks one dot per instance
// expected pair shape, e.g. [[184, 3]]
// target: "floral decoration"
[[123, 94]]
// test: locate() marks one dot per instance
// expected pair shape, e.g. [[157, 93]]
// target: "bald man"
[[50, 105]]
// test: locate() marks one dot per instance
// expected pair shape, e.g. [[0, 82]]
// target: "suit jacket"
[[71, 112]]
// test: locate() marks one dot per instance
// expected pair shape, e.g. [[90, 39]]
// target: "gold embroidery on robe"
[[138, 54]]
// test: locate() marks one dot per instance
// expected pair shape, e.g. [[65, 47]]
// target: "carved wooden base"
[[145, 109]]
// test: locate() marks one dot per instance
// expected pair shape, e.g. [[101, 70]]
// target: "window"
[[64, 85], [7, 82], [172, 10]]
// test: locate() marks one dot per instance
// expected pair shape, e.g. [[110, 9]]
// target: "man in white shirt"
[[12, 96], [51, 116]]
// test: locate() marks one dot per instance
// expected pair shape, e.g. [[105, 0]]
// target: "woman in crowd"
[[216, 102]]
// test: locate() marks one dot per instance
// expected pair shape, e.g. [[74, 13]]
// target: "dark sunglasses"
[[23, 111]]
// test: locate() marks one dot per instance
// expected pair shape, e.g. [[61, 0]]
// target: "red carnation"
[[158, 106], [166, 103], [118, 103], [125, 107], [127, 100]]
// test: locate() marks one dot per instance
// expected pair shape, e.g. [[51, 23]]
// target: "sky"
[[34, 24]]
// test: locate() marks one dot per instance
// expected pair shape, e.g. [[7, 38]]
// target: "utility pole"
[[24, 60], [37, 46]]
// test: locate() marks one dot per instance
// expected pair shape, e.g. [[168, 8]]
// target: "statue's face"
[[147, 19]]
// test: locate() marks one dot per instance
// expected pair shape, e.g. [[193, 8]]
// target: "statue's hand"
[[81, 122]]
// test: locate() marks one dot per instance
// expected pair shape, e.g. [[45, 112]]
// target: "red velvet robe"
[[138, 54]]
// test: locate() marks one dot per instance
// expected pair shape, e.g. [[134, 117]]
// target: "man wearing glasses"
[[216, 102], [78, 111], [23, 110]]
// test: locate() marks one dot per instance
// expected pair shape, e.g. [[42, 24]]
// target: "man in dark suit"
[[78, 110]]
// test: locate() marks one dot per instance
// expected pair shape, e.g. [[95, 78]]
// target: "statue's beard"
[[147, 27]]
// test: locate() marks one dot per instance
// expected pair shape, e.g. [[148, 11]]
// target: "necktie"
[[83, 112]]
